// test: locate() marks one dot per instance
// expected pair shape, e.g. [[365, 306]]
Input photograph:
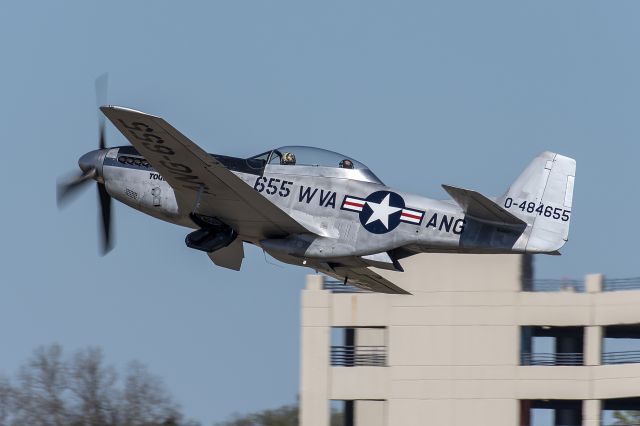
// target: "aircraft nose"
[[91, 160]]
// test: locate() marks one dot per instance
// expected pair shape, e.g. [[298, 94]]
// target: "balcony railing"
[[553, 285], [608, 284], [354, 356], [624, 357], [620, 284], [336, 286], [573, 358], [533, 285]]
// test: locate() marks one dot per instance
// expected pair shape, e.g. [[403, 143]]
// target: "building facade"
[[479, 342]]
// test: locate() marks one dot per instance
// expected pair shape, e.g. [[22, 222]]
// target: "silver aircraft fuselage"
[[324, 200]]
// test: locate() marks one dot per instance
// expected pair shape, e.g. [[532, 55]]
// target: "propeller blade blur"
[[106, 243], [67, 189], [101, 99]]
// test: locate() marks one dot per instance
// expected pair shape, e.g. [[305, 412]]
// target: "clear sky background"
[[424, 93]]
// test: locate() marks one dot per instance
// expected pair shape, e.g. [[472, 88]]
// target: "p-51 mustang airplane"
[[312, 207]]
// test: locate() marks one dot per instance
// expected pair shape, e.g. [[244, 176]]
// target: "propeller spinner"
[[91, 167]]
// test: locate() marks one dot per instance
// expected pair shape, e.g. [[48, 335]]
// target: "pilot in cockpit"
[[288, 159], [346, 164]]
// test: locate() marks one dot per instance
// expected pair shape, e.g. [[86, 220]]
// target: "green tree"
[[627, 418], [287, 415]]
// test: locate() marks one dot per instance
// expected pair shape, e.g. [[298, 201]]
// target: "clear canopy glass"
[[296, 155], [310, 156]]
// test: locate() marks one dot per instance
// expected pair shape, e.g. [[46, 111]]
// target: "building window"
[[621, 344], [550, 412], [341, 413], [543, 345], [360, 346], [621, 411], [359, 412]]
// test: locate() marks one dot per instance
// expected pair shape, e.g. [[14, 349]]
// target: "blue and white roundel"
[[382, 211]]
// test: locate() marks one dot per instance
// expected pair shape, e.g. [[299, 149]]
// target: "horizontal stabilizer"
[[482, 208]]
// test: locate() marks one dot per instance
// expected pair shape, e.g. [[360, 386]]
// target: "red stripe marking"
[[351, 203], [412, 216]]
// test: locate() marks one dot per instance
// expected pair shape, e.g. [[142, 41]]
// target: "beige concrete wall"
[[476, 412], [616, 381], [352, 311], [315, 340], [366, 336], [459, 272], [454, 345], [358, 383], [370, 413]]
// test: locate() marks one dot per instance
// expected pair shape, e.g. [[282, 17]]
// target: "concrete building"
[[479, 342]]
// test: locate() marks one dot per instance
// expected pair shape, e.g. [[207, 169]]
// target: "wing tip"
[[106, 108]]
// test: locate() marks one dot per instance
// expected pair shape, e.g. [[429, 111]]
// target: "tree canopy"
[[81, 390], [287, 415]]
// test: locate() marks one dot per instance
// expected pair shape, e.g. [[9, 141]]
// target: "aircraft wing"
[[366, 279], [198, 178]]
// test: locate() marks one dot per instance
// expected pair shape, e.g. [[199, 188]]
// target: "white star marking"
[[382, 211]]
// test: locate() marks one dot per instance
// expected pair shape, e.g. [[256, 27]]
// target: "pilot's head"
[[346, 164], [288, 159]]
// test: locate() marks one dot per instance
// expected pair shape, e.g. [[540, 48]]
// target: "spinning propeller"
[[90, 166]]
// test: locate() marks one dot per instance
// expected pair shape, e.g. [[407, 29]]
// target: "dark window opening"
[[342, 413], [621, 411], [359, 412], [361, 346], [543, 345], [621, 344], [551, 412]]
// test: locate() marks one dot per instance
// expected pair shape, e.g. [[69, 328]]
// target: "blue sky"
[[424, 93]]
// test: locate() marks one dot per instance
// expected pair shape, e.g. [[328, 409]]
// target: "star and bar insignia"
[[382, 211]]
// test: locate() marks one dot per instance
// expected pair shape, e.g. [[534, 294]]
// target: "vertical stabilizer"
[[542, 196]]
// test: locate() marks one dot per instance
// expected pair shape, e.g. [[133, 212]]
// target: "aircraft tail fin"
[[542, 196]]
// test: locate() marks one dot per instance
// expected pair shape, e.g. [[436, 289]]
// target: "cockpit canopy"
[[314, 157]]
